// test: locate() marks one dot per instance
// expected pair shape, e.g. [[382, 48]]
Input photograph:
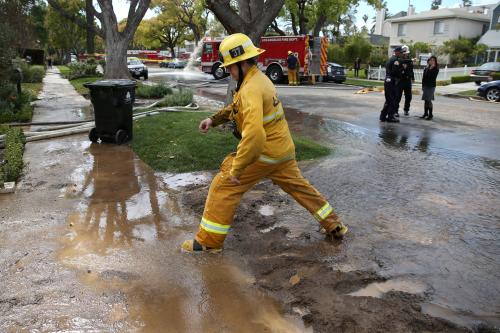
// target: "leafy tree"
[[358, 47], [215, 28], [24, 21], [417, 48], [191, 13], [435, 4], [116, 40], [65, 36], [164, 30], [462, 50], [314, 15], [251, 17]]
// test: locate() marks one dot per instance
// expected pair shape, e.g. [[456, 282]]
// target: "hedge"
[[495, 76], [443, 83], [155, 91], [181, 98], [13, 155], [14, 106], [460, 79], [31, 74], [81, 69]]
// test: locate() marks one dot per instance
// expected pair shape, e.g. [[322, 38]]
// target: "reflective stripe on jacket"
[[260, 119]]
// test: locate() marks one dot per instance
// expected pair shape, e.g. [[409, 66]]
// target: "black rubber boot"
[[430, 114], [425, 113]]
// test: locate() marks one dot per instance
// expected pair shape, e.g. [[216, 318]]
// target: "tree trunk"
[[277, 29], [89, 14], [320, 23], [116, 65], [172, 50], [294, 24]]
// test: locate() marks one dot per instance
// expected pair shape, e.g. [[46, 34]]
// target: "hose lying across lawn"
[[69, 128]]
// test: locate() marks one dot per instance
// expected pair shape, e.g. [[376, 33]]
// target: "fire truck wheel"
[[218, 72], [275, 74]]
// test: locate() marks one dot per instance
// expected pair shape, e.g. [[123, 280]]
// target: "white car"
[[137, 68]]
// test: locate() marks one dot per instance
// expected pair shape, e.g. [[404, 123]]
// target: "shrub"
[[155, 91], [443, 83], [91, 61], [14, 106], [102, 62], [181, 98], [37, 74], [460, 79], [81, 69], [495, 76], [13, 154], [31, 74]]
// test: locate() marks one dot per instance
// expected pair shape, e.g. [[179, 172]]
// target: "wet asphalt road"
[[422, 198], [95, 245]]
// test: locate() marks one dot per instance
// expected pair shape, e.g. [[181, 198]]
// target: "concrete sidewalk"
[[59, 101], [456, 88]]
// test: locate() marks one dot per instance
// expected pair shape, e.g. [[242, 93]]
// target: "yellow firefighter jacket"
[[259, 117]]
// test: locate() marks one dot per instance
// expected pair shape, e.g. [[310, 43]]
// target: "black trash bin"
[[112, 100]]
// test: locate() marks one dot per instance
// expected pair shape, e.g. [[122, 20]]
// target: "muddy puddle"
[[418, 206], [123, 240]]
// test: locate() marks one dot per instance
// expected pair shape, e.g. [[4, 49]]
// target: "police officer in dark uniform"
[[407, 77], [392, 77]]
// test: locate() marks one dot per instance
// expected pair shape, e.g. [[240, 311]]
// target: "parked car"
[[483, 72], [164, 63], [490, 91], [335, 73], [137, 68], [177, 63]]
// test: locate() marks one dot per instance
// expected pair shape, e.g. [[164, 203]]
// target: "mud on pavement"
[[297, 270]]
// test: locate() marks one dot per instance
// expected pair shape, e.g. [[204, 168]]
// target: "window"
[[438, 27], [402, 29], [207, 48]]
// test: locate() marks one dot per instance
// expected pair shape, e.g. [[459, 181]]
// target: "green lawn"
[[468, 93], [34, 88], [64, 70], [78, 84], [350, 73], [364, 83], [171, 142]]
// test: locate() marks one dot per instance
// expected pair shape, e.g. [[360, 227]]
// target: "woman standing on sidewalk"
[[429, 86]]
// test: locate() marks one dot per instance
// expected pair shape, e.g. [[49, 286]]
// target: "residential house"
[[437, 26], [492, 37]]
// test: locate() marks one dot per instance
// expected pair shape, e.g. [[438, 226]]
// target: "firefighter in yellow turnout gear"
[[266, 150]]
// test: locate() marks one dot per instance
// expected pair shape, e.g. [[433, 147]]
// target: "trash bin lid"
[[125, 83]]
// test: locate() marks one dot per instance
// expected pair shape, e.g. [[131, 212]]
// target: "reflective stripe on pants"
[[224, 197]]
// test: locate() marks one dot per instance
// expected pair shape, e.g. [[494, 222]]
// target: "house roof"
[[443, 13], [491, 38], [378, 39]]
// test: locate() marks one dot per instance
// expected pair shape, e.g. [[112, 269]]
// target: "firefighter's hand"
[[234, 180], [205, 125]]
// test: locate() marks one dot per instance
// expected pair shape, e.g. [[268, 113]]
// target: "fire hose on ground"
[[61, 129]]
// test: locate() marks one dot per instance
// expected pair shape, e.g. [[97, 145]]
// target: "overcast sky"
[[121, 8], [396, 6]]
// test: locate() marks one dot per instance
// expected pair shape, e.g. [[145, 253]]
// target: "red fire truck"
[[312, 53]]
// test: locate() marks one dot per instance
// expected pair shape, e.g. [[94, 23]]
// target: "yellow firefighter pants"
[[292, 77], [224, 197]]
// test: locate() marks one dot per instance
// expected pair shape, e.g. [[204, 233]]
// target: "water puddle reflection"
[[123, 240]]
